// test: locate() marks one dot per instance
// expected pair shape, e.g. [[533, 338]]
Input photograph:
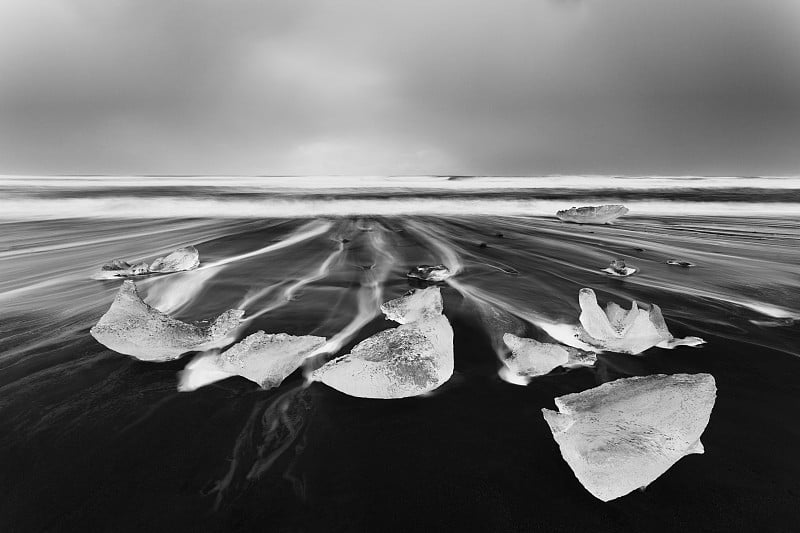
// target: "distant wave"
[[188, 207], [26, 198]]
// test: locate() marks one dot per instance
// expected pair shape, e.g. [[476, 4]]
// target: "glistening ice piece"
[[623, 435], [132, 327]]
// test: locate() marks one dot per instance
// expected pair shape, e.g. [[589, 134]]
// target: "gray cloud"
[[354, 87]]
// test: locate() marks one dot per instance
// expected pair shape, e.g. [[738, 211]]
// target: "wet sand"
[[94, 440]]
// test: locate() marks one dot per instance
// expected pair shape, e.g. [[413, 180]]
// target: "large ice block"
[[624, 434]]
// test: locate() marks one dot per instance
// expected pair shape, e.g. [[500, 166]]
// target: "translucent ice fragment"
[[132, 327], [623, 435], [628, 331]]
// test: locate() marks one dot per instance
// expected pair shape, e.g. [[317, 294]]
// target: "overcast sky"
[[405, 87]]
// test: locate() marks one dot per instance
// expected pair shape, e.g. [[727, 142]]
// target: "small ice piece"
[[414, 305], [430, 273], [531, 358], [132, 327], [627, 331], [411, 359], [187, 258], [602, 214], [624, 434], [619, 268], [677, 262]]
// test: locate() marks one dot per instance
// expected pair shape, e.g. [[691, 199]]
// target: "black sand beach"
[[97, 441]]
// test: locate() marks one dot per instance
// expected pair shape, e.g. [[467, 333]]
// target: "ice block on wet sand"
[[624, 434]]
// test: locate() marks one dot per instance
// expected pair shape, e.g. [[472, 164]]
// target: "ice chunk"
[[187, 258], [531, 358], [118, 268], [430, 273], [602, 214], [414, 305], [619, 268], [264, 358], [412, 359], [620, 330], [181, 259], [623, 435], [132, 327]]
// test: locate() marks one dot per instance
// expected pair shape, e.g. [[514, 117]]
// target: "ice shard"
[[132, 327], [263, 358], [187, 258], [411, 359], [530, 358], [414, 305], [602, 214], [627, 331], [624, 434]]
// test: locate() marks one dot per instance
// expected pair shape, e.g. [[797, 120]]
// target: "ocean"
[[97, 440]]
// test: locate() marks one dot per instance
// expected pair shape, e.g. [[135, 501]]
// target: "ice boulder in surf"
[[411, 359], [132, 327], [602, 214], [530, 358], [627, 331], [263, 358], [187, 258], [624, 434], [433, 274]]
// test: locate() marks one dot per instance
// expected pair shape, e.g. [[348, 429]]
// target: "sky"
[[366, 87]]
